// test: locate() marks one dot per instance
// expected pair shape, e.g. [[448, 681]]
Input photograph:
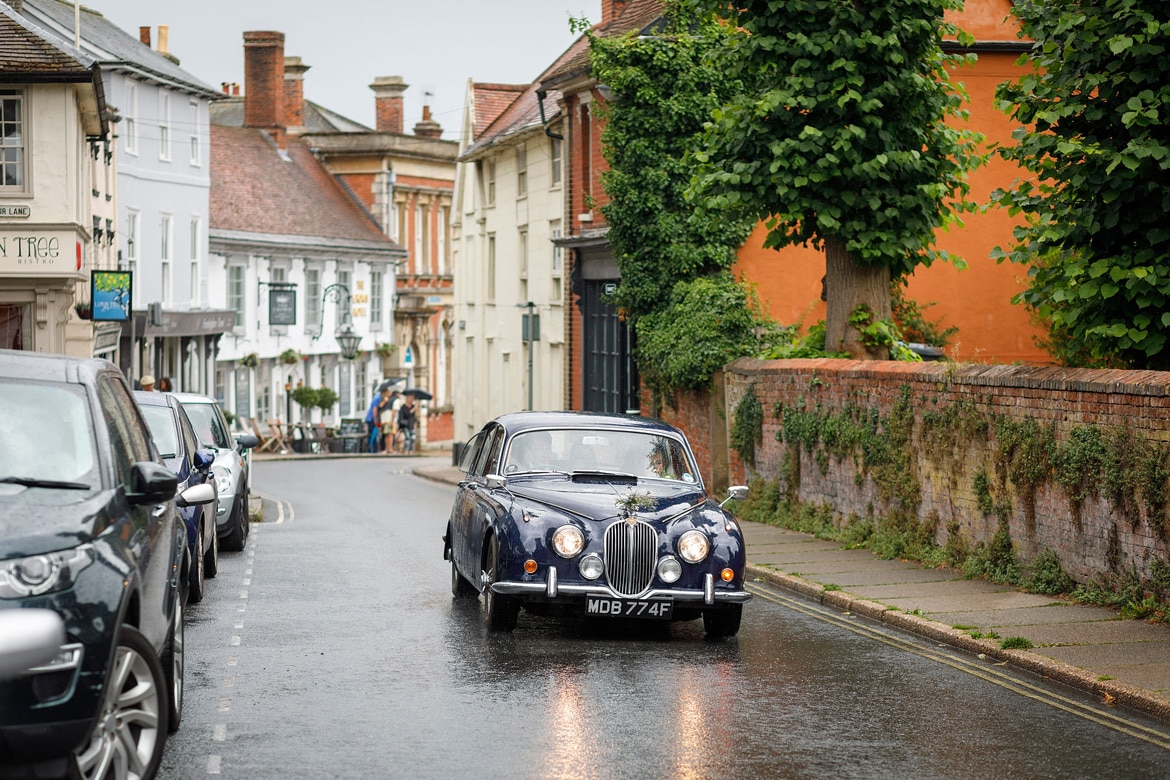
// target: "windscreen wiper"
[[45, 483]]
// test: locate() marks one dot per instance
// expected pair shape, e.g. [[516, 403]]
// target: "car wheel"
[[131, 725], [211, 560], [238, 522], [724, 621], [460, 588], [195, 581], [500, 612], [174, 662]]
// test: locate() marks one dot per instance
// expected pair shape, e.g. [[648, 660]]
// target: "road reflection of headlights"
[[694, 546], [568, 541], [591, 567]]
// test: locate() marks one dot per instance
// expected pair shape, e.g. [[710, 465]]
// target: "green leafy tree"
[[1096, 141], [839, 138], [665, 87]]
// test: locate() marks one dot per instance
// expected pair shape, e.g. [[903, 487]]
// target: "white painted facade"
[[509, 206]]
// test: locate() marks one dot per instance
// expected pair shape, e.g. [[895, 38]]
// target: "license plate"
[[652, 609]]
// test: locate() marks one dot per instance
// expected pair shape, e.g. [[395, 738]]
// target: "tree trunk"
[[847, 286]]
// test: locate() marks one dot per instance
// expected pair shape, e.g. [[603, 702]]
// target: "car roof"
[[150, 398], [522, 421], [53, 368], [193, 398]]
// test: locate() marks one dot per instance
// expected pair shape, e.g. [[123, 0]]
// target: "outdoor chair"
[[279, 440], [266, 441]]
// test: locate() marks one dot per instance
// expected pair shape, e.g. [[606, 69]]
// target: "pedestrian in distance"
[[147, 382], [388, 418], [373, 426], [165, 386], [407, 420]]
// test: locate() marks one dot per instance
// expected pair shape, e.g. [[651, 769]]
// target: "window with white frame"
[[130, 118], [166, 242], [490, 173], [522, 256], [521, 171], [554, 231], [555, 154], [13, 140], [235, 292], [491, 268], [196, 134], [419, 260], [133, 231], [376, 298], [196, 231], [312, 298], [164, 125]]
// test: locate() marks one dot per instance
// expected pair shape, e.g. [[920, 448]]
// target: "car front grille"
[[631, 551]]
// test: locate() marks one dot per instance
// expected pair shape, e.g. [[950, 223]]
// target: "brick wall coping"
[[1087, 380]]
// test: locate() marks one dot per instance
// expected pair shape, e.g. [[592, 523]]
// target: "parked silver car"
[[232, 463]]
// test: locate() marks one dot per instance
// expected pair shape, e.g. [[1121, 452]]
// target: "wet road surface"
[[332, 648]]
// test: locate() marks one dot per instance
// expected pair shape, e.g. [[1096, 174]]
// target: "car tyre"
[[196, 580], [211, 560], [724, 621], [135, 703], [174, 662], [237, 537], [460, 587], [500, 612]]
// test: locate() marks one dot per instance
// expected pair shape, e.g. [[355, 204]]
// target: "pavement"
[[1123, 662]]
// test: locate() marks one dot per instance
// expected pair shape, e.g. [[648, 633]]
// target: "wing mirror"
[[196, 494], [735, 493], [28, 638], [495, 481]]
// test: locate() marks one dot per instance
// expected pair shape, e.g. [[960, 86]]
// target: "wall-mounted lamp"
[[348, 340]]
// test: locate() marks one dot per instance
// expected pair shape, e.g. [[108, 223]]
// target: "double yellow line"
[[971, 667]]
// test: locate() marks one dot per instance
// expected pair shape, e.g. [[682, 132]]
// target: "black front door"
[[610, 378]]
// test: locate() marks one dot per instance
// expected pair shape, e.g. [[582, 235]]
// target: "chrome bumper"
[[552, 589]]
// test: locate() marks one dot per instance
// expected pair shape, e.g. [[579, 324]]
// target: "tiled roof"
[[318, 119], [26, 50], [491, 100], [524, 111], [638, 15], [257, 189], [112, 46]]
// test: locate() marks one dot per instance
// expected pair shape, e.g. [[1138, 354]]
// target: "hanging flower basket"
[[385, 349], [251, 360], [290, 357]]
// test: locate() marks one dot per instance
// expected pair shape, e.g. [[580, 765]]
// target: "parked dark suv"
[[89, 530]]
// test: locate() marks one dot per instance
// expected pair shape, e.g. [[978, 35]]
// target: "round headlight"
[[669, 569], [591, 567], [694, 546], [568, 541]]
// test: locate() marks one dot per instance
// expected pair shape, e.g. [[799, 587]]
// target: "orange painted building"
[[978, 299]]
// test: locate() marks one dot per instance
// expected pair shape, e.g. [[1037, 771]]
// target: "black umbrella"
[[418, 393], [389, 384]]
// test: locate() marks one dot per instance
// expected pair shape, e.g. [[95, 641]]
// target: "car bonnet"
[[36, 520], [598, 500]]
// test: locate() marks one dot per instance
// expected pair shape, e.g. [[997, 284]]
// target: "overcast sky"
[[434, 45]]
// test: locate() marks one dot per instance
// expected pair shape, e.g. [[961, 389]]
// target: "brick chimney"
[[611, 9], [144, 35], [294, 93], [428, 127], [388, 103], [264, 83]]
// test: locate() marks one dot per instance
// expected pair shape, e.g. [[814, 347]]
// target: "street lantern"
[[348, 341]]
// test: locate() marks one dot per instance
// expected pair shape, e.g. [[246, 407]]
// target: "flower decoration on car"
[[634, 502]]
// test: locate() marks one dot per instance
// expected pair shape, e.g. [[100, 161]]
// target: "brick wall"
[[1092, 536]]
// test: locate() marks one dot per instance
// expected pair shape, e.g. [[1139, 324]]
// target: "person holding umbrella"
[[407, 419]]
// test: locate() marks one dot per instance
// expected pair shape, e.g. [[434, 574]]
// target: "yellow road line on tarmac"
[[281, 504], [1008, 682]]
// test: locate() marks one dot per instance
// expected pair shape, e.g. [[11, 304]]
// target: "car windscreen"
[[637, 453], [161, 421], [46, 433], [208, 425]]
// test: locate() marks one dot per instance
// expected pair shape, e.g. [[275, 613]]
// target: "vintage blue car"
[[593, 515]]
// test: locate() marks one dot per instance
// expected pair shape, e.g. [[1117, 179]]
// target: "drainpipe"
[[540, 95]]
